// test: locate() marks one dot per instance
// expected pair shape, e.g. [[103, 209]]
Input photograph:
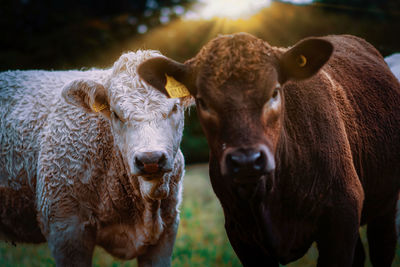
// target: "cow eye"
[[275, 93], [201, 104], [115, 115], [174, 109]]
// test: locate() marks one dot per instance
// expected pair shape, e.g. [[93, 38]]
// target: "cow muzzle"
[[247, 164], [151, 164]]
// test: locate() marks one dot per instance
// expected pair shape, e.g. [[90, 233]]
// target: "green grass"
[[201, 239]]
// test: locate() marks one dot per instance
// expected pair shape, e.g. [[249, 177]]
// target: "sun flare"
[[230, 9]]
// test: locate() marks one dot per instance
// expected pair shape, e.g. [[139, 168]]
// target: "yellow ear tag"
[[99, 107], [175, 89], [302, 61]]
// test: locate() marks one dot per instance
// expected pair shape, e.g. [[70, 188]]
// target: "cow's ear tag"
[[175, 89], [301, 61], [97, 107]]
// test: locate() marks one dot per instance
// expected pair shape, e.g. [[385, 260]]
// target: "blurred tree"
[[66, 34], [388, 7], [41, 13], [71, 27]]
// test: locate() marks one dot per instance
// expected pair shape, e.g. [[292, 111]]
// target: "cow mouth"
[[250, 187], [247, 180], [155, 186], [159, 192], [153, 176]]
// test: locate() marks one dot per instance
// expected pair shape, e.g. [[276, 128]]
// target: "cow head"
[[238, 84], [146, 125]]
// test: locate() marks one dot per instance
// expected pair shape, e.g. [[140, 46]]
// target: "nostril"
[[233, 162], [139, 163], [259, 161], [162, 160]]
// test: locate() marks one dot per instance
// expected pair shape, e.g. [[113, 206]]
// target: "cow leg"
[[250, 254], [18, 216], [359, 254], [71, 242], [337, 239], [160, 255], [381, 233]]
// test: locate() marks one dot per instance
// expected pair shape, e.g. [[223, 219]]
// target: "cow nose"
[[245, 160], [249, 162], [151, 162]]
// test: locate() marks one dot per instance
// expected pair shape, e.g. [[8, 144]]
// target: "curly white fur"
[[73, 168]]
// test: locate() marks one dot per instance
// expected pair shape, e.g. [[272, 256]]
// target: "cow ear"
[[87, 94], [172, 78], [304, 59]]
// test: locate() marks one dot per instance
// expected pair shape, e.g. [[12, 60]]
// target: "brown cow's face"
[[236, 81], [241, 118]]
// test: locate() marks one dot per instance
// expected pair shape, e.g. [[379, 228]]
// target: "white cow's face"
[[146, 125], [146, 133], [147, 129]]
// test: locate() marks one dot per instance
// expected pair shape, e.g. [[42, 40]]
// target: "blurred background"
[[72, 34]]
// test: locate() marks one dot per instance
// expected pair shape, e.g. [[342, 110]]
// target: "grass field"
[[201, 237]]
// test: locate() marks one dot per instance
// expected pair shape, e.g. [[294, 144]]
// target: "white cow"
[[393, 62], [91, 158]]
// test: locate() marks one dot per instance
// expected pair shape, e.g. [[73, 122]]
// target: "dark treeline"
[[41, 15], [67, 34], [379, 8], [381, 4], [51, 33]]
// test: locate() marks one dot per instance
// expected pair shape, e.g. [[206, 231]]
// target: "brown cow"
[[305, 144]]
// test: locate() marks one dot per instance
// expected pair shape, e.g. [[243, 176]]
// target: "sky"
[[231, 9]]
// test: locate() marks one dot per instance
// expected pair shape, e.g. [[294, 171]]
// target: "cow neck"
[[121, 188], [240, 215], [149, 208], [152, 220], [295, 181]]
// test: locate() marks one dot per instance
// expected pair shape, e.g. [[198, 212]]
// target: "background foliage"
[[65, 34]]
